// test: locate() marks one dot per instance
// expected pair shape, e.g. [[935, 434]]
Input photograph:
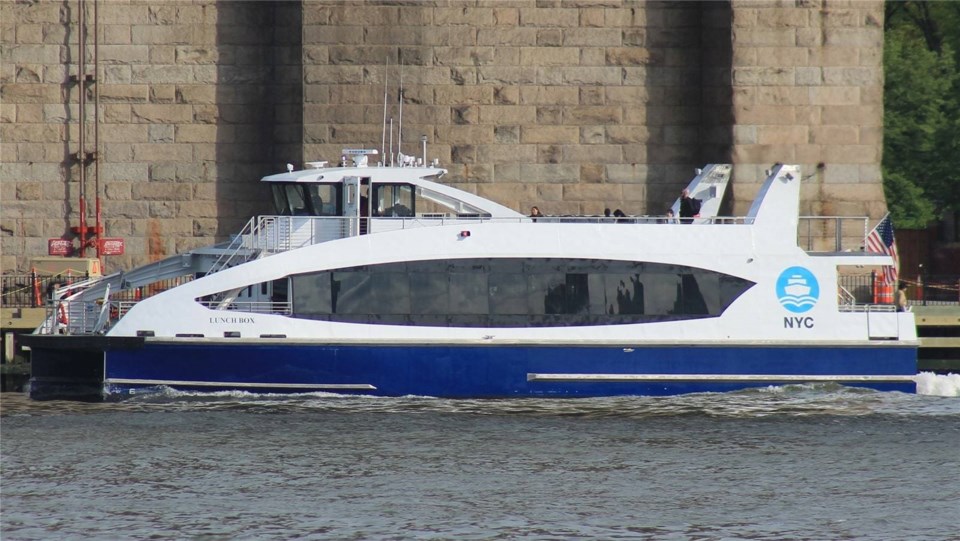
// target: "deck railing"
[[931, 290], [832, 233]]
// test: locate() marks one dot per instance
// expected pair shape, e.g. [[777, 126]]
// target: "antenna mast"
[[383, 137], [400, 121]]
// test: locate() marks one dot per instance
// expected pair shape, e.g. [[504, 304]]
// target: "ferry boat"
[[378, 279]]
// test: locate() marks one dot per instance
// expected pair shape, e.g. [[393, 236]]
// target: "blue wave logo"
[[797, 289]]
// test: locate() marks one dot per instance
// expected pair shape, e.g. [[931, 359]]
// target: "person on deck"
[[901, 298], [687, 210]]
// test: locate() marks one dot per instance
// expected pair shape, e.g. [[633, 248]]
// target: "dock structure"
[[938, 328]]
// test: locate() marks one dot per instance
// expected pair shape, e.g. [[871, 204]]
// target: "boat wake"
[[932, 384], [798, 400]]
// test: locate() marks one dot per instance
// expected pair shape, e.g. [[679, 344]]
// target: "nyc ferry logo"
[[797, 291]]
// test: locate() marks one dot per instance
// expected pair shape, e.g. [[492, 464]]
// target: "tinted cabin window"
[[394, 200], [487, 292], [302, 199]]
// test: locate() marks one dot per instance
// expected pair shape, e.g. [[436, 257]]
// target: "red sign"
[[62, 247], [111, 246]]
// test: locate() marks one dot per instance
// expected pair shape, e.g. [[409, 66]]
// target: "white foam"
[[932, 384]]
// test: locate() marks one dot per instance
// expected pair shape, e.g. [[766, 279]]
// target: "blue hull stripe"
[[464, 371], [713, 377]]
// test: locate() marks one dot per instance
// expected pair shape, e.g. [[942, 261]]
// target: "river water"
[[795, 462]]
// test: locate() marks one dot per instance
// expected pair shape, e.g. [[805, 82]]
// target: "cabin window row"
[[513, 293]]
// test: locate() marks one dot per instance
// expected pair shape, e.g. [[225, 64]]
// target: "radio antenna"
[[400, 120], [383, 137]]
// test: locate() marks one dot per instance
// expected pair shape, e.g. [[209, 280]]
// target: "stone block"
[[196, 133], [162, 152], [765, 114], [506, 16], [859, 154], [602, 193], [865, 37], [592, 96], [121, 75], [27, 191], [866, 115], [835, 135], [757, 76], [124, 93], [549, 37], [20, 93], [782, 18], [630, 56], [603, 154], [460, 16], [192, 54], [505, 75], [369, 15], [871, 135], [197, 209], [129, 209], [551, 95], [745, 135], [177, 34], [499, 153], [549, 56], [161, 191], [783, 135], [592, 172], [853, 76], [626, 173], [591, 76], [463, 95], [334, 35], [195, 94], [592, 37], [162, 113], [560, 17], [507, 114], [839, 173], [506, 135], [507, 193], [592, 114], [159, 74], [549, 134], [765, 154], [31, 133], [764, 37], [549, 172], [124, 133], [592, 135]]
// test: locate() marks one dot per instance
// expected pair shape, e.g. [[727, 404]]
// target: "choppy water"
[[796, 462]]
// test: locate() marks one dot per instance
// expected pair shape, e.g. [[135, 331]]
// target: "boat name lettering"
[[797, 322], [231, 320]]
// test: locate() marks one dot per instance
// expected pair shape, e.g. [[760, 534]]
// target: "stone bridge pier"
[[571, 105]]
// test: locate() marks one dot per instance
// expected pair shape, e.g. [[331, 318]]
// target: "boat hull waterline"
[[482, 371]]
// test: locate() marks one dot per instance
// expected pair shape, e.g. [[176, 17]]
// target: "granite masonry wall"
[[572, 105]]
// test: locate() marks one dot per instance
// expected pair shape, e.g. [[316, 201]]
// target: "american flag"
[[881, 241]]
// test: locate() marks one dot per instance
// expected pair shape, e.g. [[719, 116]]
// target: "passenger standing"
[[687, 210], [901, 300], [535, 213]]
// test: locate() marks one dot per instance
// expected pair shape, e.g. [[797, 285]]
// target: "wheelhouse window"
[[493, 292], [394, 201], [307, 199]]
